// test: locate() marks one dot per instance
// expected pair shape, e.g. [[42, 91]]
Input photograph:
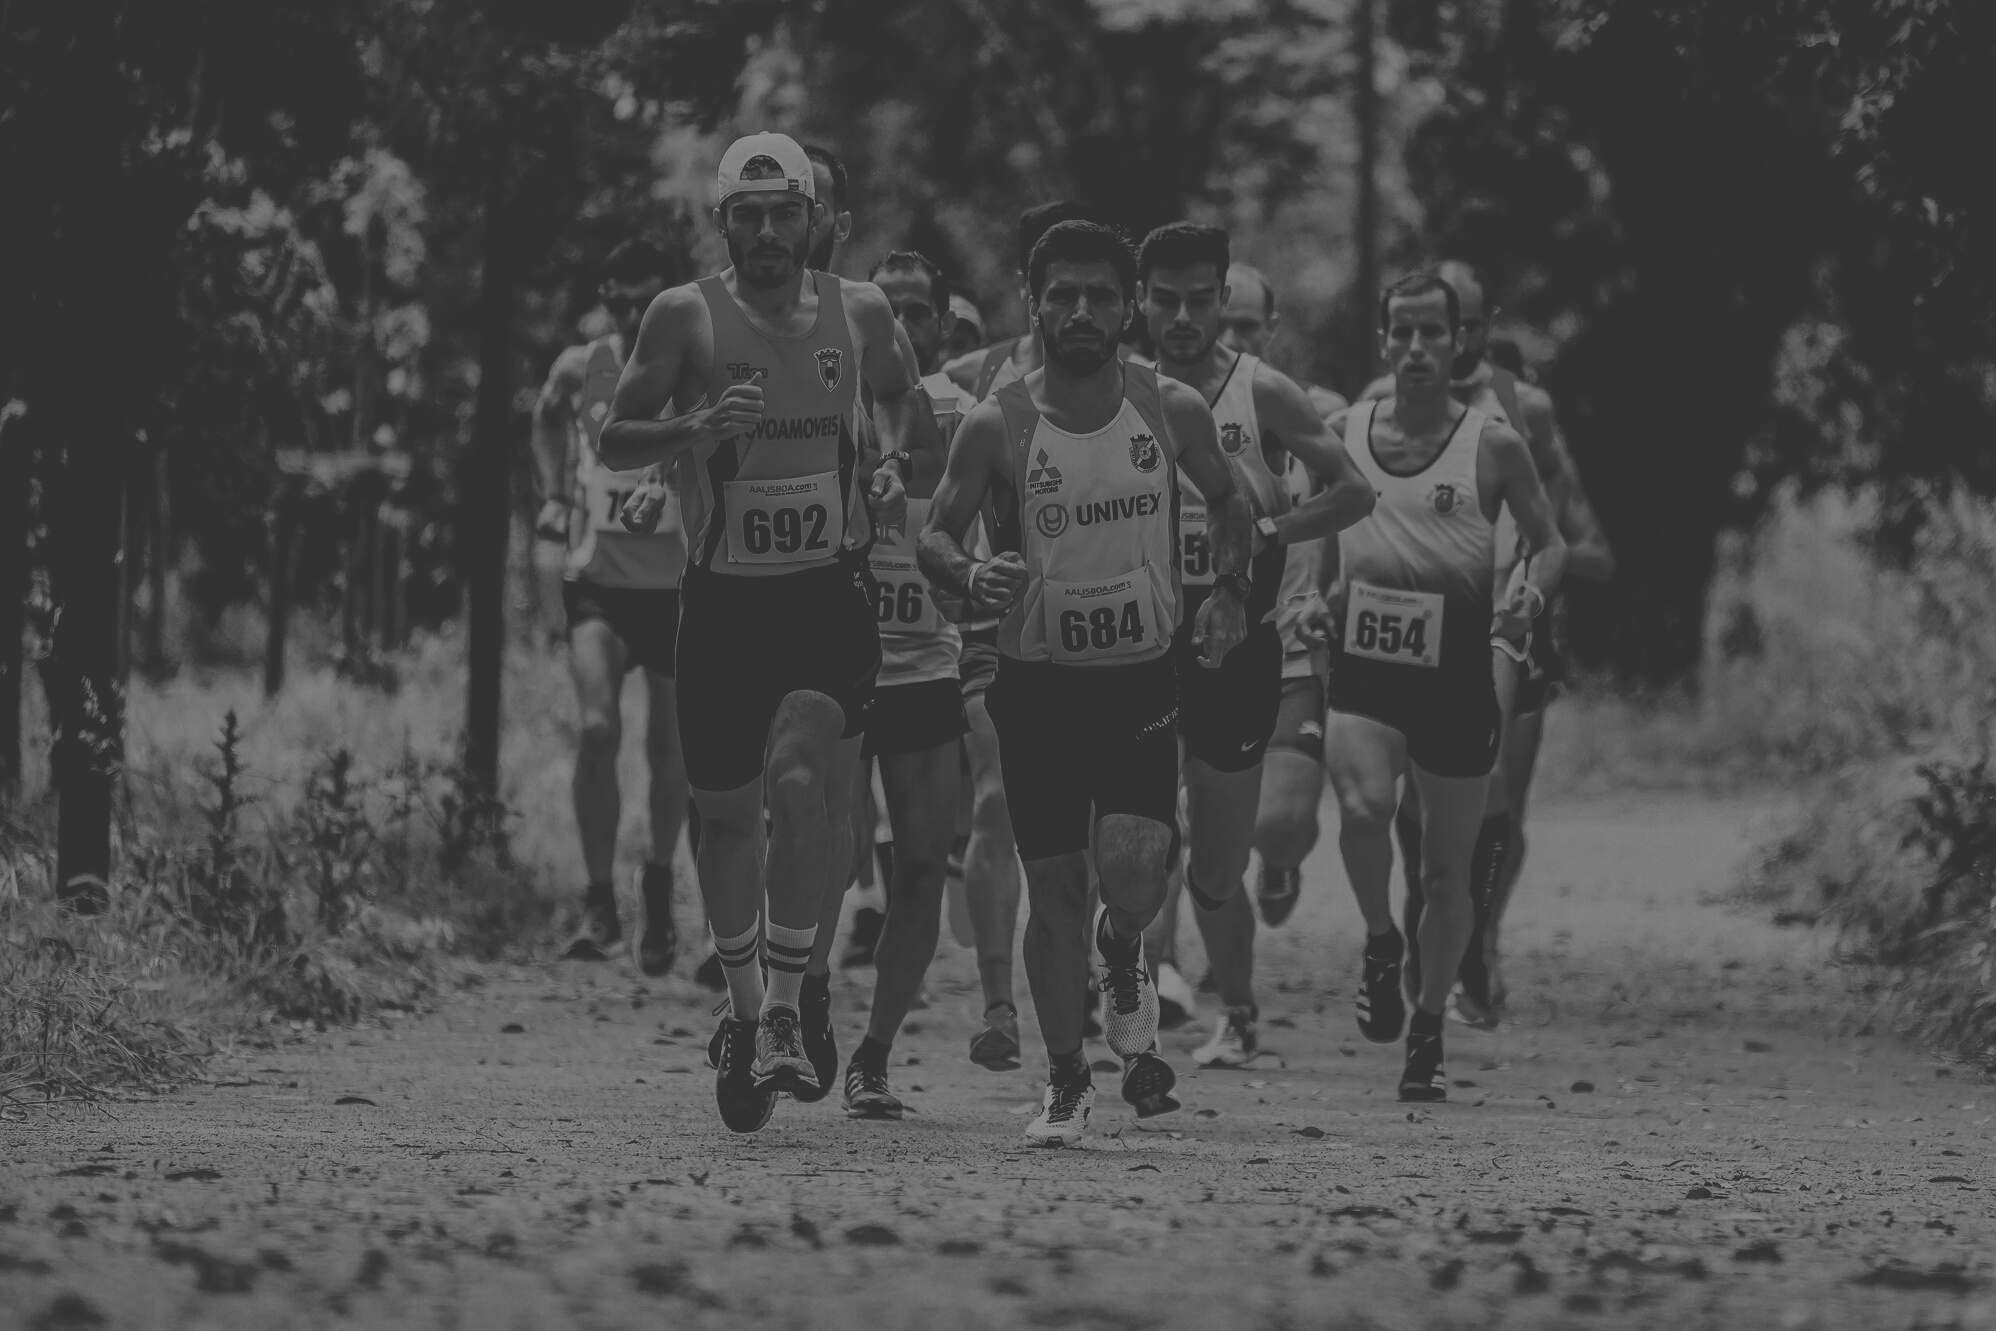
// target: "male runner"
[[1411, 691], [917, 718], [621, 593], [778, 648], [988, 369], [1225, 716], [1292, 777], [1081, 461], [991, 862], [1476, 381], [967, 333]]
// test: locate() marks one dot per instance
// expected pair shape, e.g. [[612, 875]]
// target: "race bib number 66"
[[1401, 628]]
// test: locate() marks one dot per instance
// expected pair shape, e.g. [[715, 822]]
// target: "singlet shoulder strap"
[[994, 361], [1505, 385], [1021, 416]]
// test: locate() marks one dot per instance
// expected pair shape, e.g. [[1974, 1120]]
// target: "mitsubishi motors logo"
[[1044, 478]]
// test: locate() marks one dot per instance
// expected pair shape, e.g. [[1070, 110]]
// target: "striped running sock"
[[789, 953], [739, 968]]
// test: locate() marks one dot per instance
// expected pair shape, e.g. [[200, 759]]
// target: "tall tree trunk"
[[485, 474], [86, 531], [14, 565], [1366, 241]]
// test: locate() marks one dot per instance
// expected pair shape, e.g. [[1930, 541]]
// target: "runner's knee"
[[1284, 835], [1363, 809]]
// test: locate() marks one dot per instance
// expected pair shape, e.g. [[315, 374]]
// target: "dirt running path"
[[1748, 1156]]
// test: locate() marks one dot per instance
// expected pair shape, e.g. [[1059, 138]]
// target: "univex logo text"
[[1130, 506]]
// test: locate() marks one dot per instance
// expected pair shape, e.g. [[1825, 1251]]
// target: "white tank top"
[[1417, 570], [600, 550], [1096, 524], [1239, 428], [1300, 566], [916, 642]]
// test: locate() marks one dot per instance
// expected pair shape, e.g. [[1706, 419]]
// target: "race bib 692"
[[788, 521]]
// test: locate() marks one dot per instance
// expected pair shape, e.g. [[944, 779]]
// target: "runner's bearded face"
[[1080, 312], [1181, 308], [769, 236], [1419, 344], [910, 294], [627, 303]]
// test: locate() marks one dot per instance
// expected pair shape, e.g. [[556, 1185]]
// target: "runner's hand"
[[890, 499], [1221, 626], [738, 411], [552, 524], [999, 579], [645, 505]]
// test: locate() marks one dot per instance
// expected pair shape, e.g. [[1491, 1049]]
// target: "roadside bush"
[[1897, 851]]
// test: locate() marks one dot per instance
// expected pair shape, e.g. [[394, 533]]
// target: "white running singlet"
[[1097, 529], [600, 550], [1240, 439]]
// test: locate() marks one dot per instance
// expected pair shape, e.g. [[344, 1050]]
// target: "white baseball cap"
[[765, 162], [961, 306]]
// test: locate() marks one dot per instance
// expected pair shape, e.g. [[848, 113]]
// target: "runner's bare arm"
[[902, 411], [1540, 430], [1505, 461], [1588, 554], [976, 465], [1287, 413], [554, 419], [634, 436]]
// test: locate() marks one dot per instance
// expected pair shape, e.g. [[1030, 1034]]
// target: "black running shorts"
[[645, 620], [1072, 738], [914, 718], [977, 662], [1449, 718], [1299, 722], [747, 643], [1227, 713]]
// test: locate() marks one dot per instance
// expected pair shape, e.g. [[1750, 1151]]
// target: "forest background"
[[287, 276]]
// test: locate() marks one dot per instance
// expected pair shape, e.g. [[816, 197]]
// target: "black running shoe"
[[745, 1107], [1277, 893], [601, 937], [780, 1061], [997, 1046], [710, 975], [814, 1015], [659, 947], [1424, 1080], [866, 926], [867, 1095], [1147, 1083], [1381, 1010]]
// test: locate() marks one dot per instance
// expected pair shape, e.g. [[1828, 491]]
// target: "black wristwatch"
[[1237, 583], [907, 461]]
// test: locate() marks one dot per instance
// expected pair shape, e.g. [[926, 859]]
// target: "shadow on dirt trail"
[[1685, 1123]]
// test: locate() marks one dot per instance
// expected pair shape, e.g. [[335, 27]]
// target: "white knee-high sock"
[[739, 957], [789, 952]]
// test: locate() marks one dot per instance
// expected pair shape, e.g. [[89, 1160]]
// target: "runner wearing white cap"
[[756, 373]]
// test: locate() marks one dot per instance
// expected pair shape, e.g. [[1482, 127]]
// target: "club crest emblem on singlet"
[[1446, 498], [1143, 453], [1044, 478], [831, 366], [1052, 520], [1233, 438]]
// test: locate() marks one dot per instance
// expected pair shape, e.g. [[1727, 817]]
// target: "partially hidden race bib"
[[606, 492], [1195, 554], [1401, 628], [903, 601], [1102, 620], [788, 521]]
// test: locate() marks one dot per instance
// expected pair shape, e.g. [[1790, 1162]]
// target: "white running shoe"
[[1129, 999], [1063, 1118], [1234, 1044], [1175, 1002]]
